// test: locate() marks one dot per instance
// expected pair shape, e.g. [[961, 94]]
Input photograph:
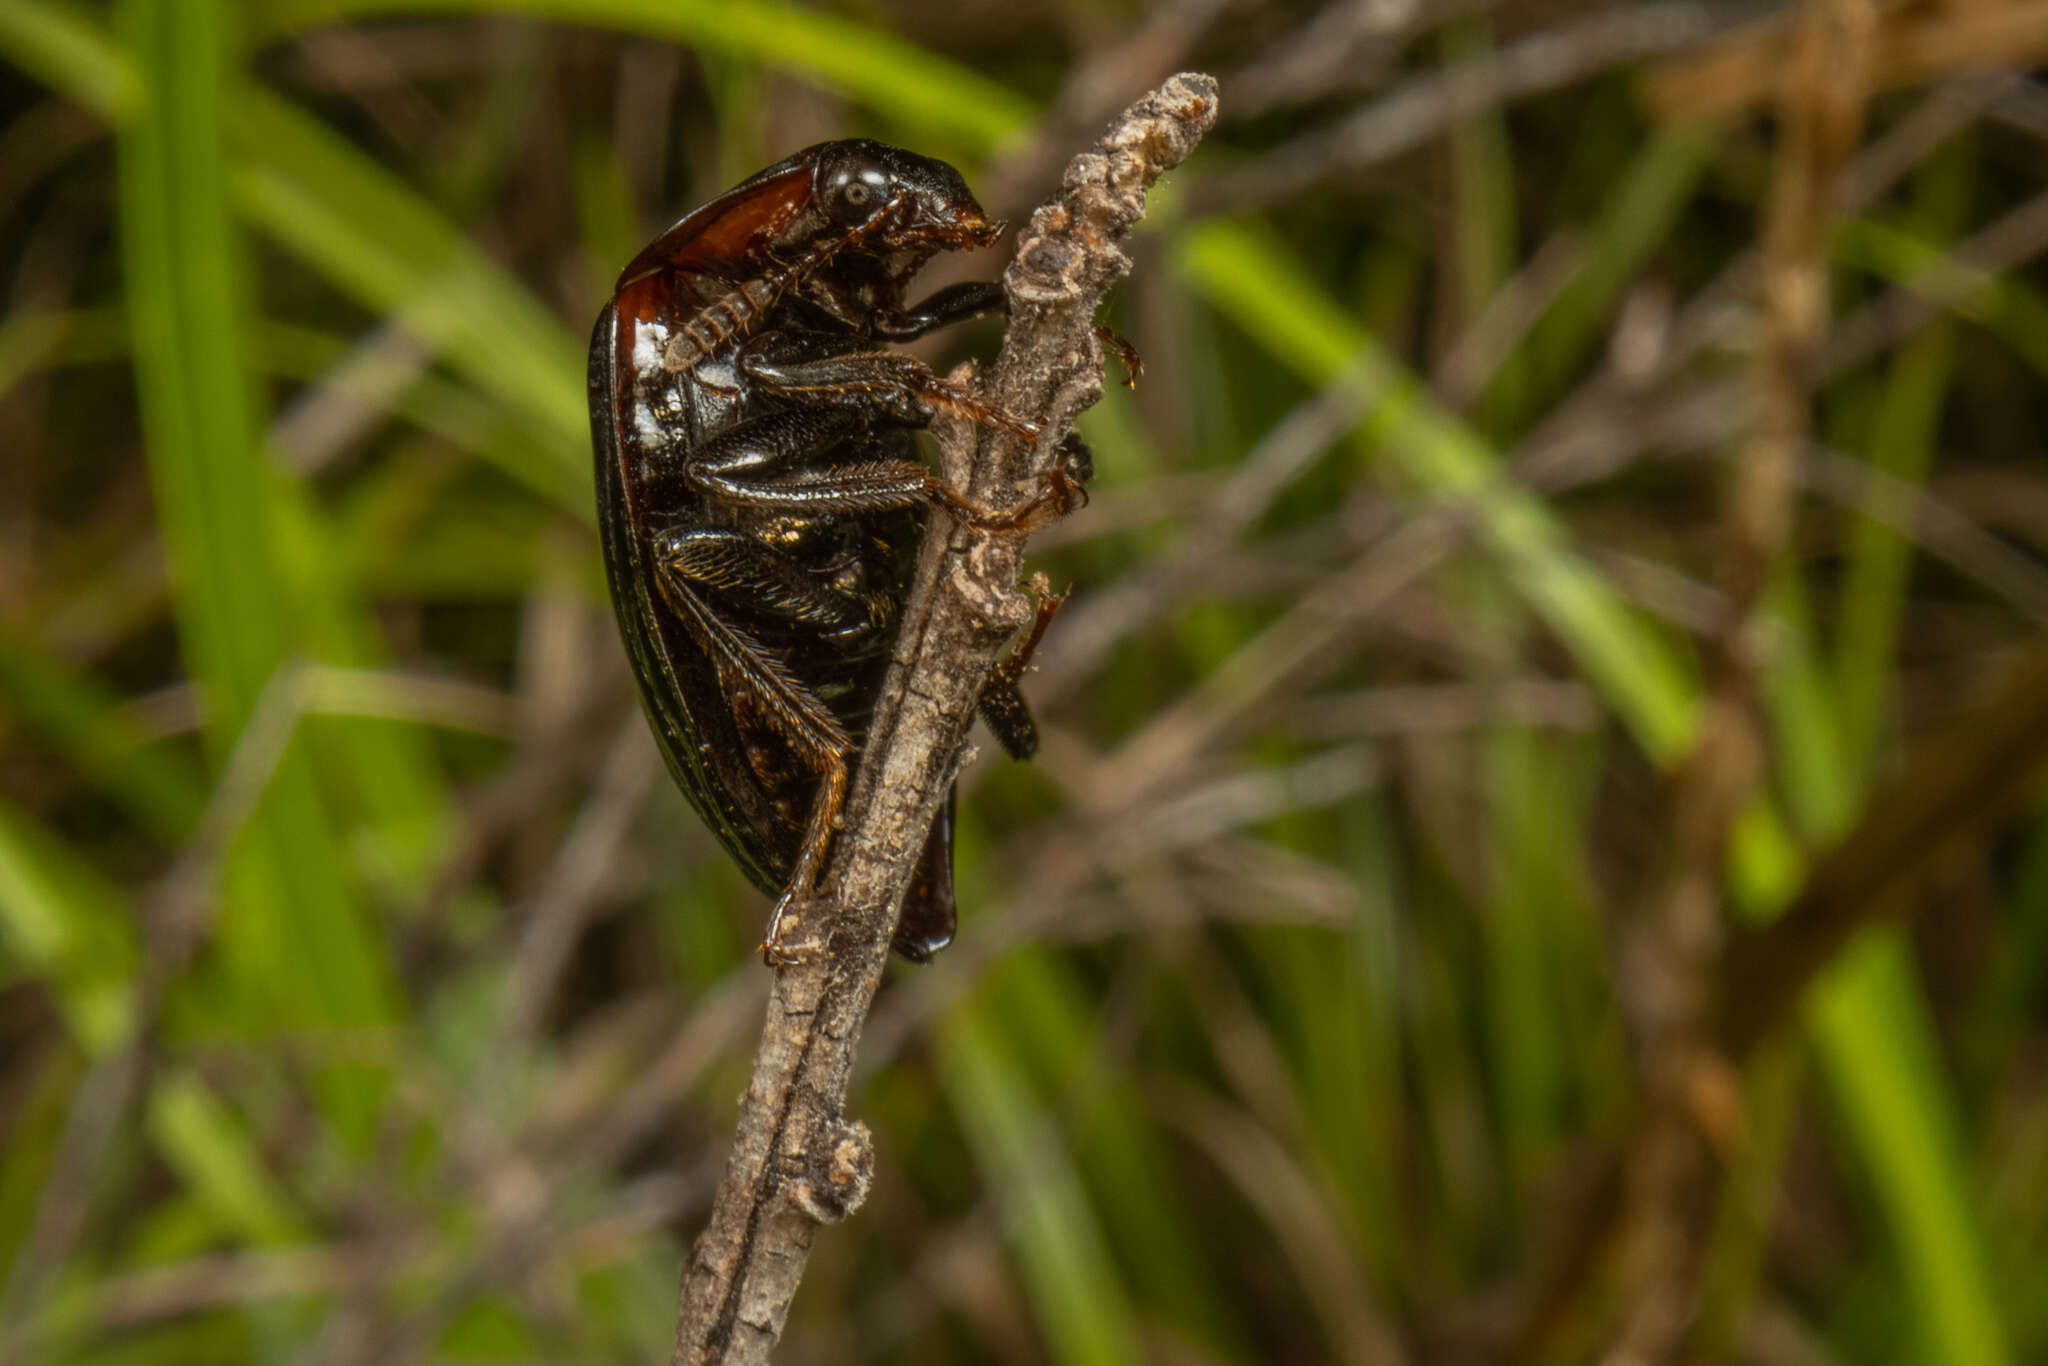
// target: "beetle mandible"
[[761, 502]]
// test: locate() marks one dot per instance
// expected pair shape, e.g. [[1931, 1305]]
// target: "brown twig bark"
[[797, 1161]]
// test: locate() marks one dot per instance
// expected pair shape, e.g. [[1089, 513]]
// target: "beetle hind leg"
[[790, 939], [929, 912], [748, 669]]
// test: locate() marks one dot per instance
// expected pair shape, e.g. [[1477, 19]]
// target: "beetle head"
[[899, 201]]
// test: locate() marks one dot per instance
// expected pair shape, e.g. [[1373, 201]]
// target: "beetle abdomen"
[[731, 315]]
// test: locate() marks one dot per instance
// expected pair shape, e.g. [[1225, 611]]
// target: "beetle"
[[761, 503]]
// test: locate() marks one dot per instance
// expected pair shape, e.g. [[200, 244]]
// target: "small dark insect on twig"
[[797, 1162]]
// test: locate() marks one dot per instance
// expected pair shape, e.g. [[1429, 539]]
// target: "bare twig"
[[556, 913], [797, 1161], [1423, 107], [1343, 49], [1912, 43], [1958, 789], [1093, 91]]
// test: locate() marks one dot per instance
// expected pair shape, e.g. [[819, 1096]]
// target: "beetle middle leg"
[[902, 389], [773, 462]]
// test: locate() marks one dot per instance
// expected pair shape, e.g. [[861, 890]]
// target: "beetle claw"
[[782, 948], [1125, 353]]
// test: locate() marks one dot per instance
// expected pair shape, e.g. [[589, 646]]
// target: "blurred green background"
[[368, 995]]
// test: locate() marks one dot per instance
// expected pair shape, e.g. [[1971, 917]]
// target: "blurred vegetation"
[[367, 994]]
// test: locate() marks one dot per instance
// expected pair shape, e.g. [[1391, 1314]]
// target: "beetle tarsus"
[[1126, 354]]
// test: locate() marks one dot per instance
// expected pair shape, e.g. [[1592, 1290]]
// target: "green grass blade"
[[325, 201], [64, 923], [29, 1149], [292, 930], [1867, 1016], [1870, 1024], [1821, 790], [1879, 558], [182, 261], [1073, 1286], [1037, 999], [399, 807], [156, 785], [211, 1150], [1363, 1122], [65, 50], [897, 79], [1248, 276], [2006, 305], [1536, 833], [1899, 448], [1636, 219]]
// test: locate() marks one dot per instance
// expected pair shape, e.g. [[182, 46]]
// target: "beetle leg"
[[773, 462], [1062, 490], [770, 461], [929, 915], [953, 304], [789, 940], [747, 668], [976, 299], [902, 388], [1126, 354], [742, 571], [1002, 703]]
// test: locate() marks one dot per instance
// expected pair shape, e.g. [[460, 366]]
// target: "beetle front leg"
[[978, 299], [945, 307]]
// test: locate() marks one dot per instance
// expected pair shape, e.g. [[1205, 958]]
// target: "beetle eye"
[[855, 191]]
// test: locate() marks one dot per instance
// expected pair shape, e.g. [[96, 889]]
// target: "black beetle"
[[761, 501]]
